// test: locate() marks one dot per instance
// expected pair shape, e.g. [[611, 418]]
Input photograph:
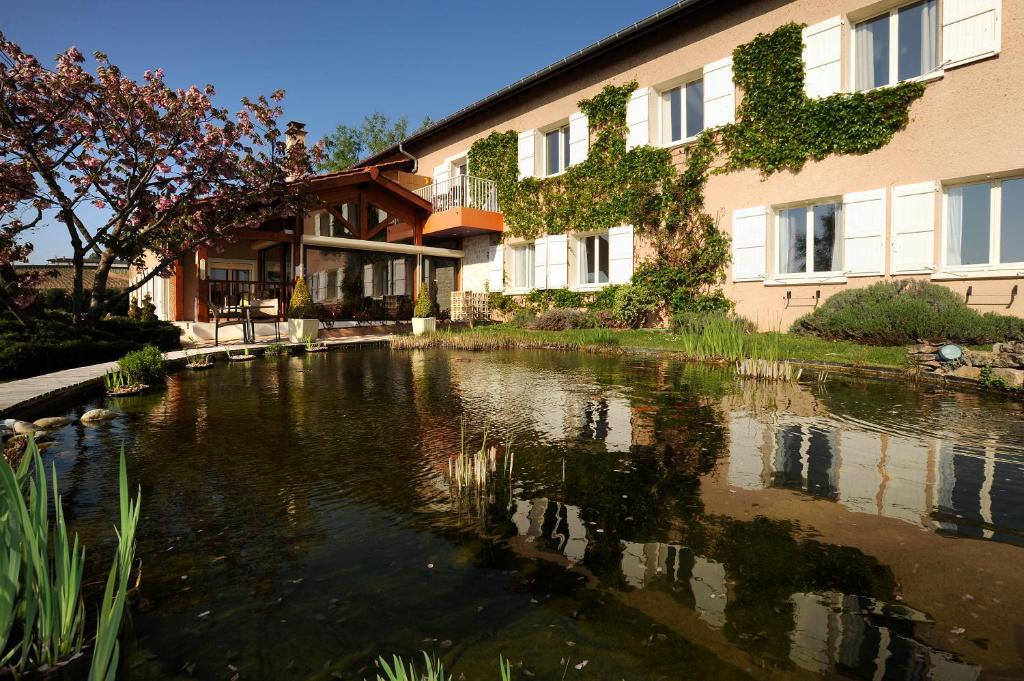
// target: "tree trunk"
[[98, 300]]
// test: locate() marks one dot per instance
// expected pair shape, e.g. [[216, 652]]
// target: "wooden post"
[[178, 282], [297, 259], [417, 240], [203, 284]]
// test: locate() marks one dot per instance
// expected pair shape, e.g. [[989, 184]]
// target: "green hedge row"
[[54, 343]]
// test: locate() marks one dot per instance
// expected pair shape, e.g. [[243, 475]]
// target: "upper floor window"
[[682, 112], [556, 150], [593, 259], [898, 45], [985, 223], [522, 258], [809, 239]]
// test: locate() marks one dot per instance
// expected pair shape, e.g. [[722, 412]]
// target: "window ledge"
[[518, 291], [798, 281], [938, 74], [952, 274], [590, 287], [681, 143]]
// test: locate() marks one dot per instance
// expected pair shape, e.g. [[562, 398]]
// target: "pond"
[[662, 521]]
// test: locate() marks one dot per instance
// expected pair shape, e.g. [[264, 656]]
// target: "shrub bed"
[[54, 343], [901, 313]]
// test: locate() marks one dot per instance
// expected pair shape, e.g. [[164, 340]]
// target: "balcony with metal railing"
[[463, 205]]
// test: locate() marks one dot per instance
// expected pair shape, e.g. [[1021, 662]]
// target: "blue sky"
[[336, 60]]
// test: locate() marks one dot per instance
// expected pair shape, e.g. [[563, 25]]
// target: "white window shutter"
[[823, 74], [719, 94], [864, 232], [638, 117], [496, 268], [913, 228], [970, 30], [368, 280], [579, 138], [397, 277], [749, 238], [527, 154], [620, 254], [540, 262], [442, 173], [558, 261]]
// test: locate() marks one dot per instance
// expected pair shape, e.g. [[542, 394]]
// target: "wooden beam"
[[257, 235], [179, 290], [344, 223], [203, 284]]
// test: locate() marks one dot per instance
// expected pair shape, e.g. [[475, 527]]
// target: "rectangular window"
[[593, 259], [898, 45], [985, 223], [817, 226], [683, 112], [556, 150], [522, 266]]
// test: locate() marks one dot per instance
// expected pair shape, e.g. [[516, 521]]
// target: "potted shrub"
[[302, 319], [423, 320]]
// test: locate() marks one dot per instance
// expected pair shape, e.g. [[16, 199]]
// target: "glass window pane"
[[1011, 237], [602, 259], [826, 251], [675, 114], [552, 152], [565, 149], [694, 108], [872, 50], [974, 223], [589, 264], [793, 241], [918, 33]]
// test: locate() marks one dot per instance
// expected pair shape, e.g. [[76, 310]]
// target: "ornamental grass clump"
[[902, 313], [42, 612], [301, 305]]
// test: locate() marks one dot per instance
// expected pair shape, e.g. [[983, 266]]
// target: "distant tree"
[[347, 145], [166, 170]]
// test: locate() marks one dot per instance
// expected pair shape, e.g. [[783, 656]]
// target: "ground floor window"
[[522, 262], [593, 259], [985, 223], [809, 239]]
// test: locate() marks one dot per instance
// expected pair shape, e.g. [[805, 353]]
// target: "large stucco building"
[[943, 201]]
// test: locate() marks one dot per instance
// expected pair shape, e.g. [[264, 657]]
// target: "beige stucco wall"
[[967, 125]]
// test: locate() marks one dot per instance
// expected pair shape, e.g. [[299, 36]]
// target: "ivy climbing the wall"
[[777, 128]]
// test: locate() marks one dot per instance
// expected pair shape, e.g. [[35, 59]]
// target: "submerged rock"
[[98, 415], [51, 422], [14, 448], [24, 427]]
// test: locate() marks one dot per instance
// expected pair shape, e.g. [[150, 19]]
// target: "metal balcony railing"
[[462, 191]]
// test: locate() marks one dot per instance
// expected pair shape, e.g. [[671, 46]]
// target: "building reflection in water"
[[929, 482], [646, 564], [559, 524]]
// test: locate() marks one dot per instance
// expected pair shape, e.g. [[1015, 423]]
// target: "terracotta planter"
[[422, 325], [300, 329]]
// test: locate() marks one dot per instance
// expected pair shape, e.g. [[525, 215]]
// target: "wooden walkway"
[[26, 392]]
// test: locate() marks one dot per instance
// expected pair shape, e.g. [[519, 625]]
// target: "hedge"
[[53, 343]]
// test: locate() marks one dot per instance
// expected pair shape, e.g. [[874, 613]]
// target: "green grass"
[[773, 346]]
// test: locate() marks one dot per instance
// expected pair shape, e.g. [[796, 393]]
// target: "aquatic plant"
[[399, 670], [472, 471], [197, 361], [145, 366], [768, 370], [42, 614], [115, 380], [274, 349], [314, 345], [509, 338]]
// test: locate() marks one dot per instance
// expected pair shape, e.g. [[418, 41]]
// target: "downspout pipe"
[[415, 161]]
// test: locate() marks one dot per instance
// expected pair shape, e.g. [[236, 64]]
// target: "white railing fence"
[[462, 191]]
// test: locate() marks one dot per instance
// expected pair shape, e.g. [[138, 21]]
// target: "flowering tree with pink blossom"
[[166, 170]]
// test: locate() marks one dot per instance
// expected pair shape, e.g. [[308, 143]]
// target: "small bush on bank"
[[53, 343], [523, 318], [143, 366], [901, 313], [563, 319], [633, 304]]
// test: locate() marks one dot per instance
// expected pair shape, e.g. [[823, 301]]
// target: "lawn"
[[775, 345]]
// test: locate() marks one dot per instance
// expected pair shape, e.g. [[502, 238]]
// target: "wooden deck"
[[33, 391]]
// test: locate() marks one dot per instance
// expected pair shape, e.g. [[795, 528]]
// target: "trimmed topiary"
[[424, 303], [901, 313], [301, 305]]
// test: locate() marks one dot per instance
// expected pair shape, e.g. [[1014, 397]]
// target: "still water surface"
[[664, 521]]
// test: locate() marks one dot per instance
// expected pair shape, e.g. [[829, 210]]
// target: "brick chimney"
[[294, 134]]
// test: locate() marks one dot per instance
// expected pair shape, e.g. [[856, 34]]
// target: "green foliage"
[[633, 304], [498, 302], [42, 614], [52, 342], [698, 322], [399, 670], [424, 303], [148, 311], [899, 313], [779, 128], [145, 366], [301, 305], [681, 288], [542, 299], [347, 144]]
